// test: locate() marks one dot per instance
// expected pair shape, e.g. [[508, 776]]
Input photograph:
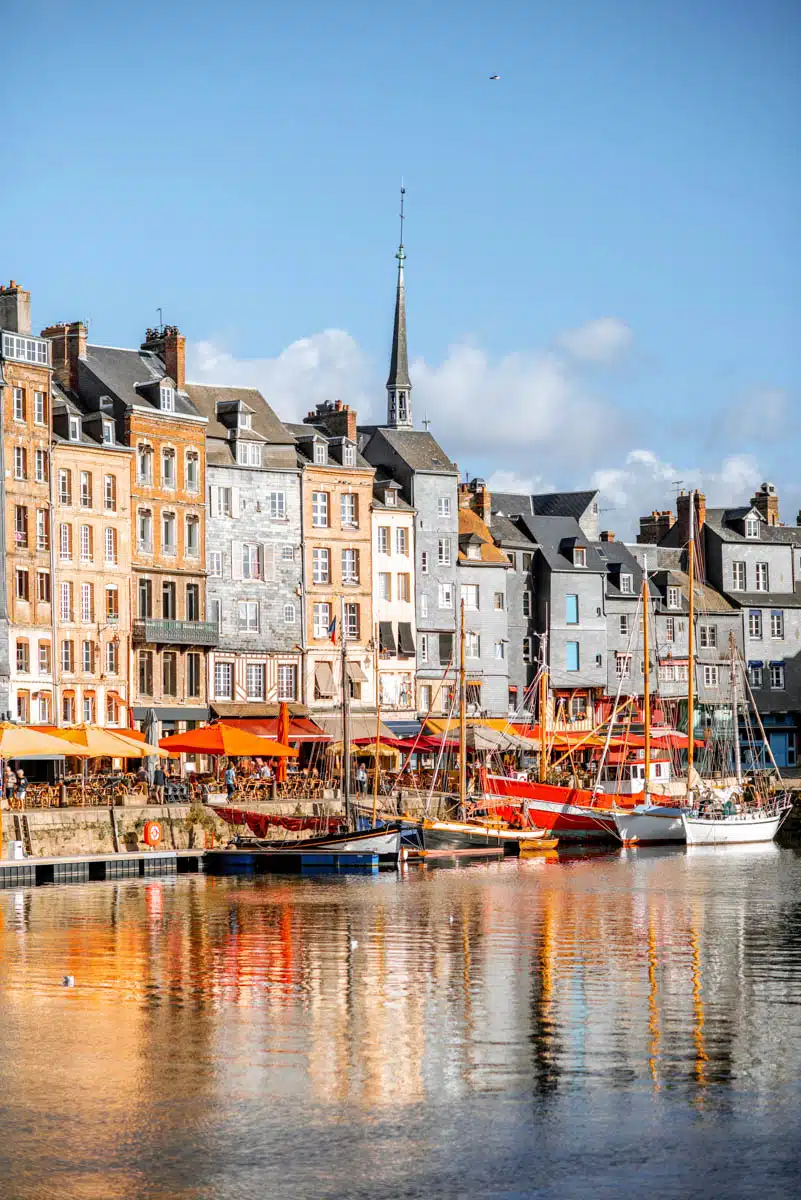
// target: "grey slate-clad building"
[[582, 506], [253, 551]]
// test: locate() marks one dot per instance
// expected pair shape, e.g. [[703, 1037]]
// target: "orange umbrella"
[[282, 734], [225, 739], [20, 741]]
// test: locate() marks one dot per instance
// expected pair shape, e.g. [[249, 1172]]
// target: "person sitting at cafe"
[[265, 771]]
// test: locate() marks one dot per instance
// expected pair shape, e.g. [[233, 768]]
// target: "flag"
[[332, 631]]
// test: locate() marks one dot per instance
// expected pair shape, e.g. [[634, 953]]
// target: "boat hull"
[[649, 825], [558, 810], [732, 830], [455, 837]]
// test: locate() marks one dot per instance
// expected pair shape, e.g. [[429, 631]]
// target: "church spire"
[[399, 385]]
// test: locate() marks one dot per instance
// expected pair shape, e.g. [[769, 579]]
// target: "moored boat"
[[726, 829], [571, 814]]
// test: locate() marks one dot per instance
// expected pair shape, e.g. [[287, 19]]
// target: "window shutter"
[[267, 561], [236, 560], [235, 502], [214, 501]]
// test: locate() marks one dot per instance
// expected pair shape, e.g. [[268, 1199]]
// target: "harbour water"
[[597, 1024]]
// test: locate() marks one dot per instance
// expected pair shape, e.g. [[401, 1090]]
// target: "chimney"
[[766, 502], [15, 309], [683, 514], [67, 345], [338, 419], [654, 527], [607, 535], [481, 499], [170, 345]]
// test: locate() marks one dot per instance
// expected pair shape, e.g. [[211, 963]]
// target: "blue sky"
[[603, 250]]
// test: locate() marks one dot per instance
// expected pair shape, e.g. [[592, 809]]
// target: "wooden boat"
[[386, 843], [478, 837], [571, 814]]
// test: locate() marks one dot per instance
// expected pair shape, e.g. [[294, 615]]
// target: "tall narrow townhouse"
[[429, 482], [253, 553], [27, 619], [393, 599], [144, 393], [336, 499], [483, 572], [510, 535], [92, 544]]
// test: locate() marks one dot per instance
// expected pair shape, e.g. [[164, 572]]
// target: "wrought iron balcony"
[[180, 633]]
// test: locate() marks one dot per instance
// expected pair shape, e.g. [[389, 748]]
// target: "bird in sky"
[[494, 76]]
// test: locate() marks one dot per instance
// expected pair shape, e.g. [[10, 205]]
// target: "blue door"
[[780, 745]]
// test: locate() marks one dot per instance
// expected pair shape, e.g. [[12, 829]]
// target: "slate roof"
[[265, 421], [419, 449], [720, 520], [509, 533], [545, 504], [304, 429], [552, 533], [379, 487], [119, 371], [65, 404], [766, 599]]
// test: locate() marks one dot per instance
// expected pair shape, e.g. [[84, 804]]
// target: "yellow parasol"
[[22, 741], [104, 743]]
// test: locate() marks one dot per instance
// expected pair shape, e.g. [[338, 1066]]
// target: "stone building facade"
[[393, 599]]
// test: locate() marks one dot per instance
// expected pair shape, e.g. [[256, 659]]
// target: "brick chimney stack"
[[477, 496], [654, 527], [15, 308], [766, 502], [683, 514], [170, 345], [67, 346], [607, 535], [338, 419]]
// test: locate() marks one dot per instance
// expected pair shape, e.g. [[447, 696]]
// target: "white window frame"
[[627, 585], [251, 560], [739, 577], [321, 619], [471, 596], [350, 565], [444, 506], [752, 527], [39, 408], [444, 551], [108, 431], [224, 671], [277, 503], [755, 625], [290, 614], [673, 596], [777, 677], [256, 681], [167, 397], [248, 616], [762, 580], [321, 564], [320, 456], [777, 625], [215, 562], [382, 539], [74, 429], [711, 676], [320, 510], [349, 510], [445, 596]]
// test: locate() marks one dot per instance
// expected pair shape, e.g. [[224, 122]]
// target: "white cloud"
[[603, 341], [510, 481]]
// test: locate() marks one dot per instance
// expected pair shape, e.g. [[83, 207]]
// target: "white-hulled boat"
[[649, 824], [759, 824]]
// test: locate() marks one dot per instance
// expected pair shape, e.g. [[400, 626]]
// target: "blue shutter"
[[572, 656], [571, 610]]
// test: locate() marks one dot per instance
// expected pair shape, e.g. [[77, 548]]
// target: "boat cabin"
[[625, 773]]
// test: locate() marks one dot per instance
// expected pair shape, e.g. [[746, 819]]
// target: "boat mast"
[[691, 647], [646, 674], [345, 717], [543, 713], [377, 726], [735, 713], [462, 715]]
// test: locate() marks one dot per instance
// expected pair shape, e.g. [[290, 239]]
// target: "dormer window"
[[167, 397], [75, 429], [673, 597], [348, 454], [474, 552], [248, 454], [390, 498], [752, 527], [244, 420], [627, 585], [579, 556], [320, 454], [108, 433]]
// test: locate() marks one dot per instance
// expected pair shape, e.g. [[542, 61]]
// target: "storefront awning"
[[386, 638], [324, 679], [355, 672], [406, 647]]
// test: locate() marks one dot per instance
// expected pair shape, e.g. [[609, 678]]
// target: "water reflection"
[[213, 1016]]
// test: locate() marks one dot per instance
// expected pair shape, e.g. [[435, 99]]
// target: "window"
[[75, 429], [244, 420], [472, 645], [348, 454], [168, 542], [426, 692], [20, 462], [110, 539], [145, 598], [144, 464], [320, 454], [444, 552], [391, 497], [623, 625], [145, 530], [320, 509], [384, 585], [470, 595], [579, 556], [225, 501], [168, 467], [193, 662], [623, 666], [21, 525], [350, 566], [39, 408], [474, 552], [711, 675], [571, 610], [423, 647], [321, 567], [112, 658], [424, 605], [498, 650], [401, 541], [762, 579], [255, 681], [215, 561], [755, 676], [446, 595], [193, 536], [526, 558], [424, 562], [108, 433], [40, 466], [277, 503], [752, 527], [571, 656], [23, 656], [192, 471], [145, 664], [351, 630], [511, 555], [248, 454], [444, 506], [383, 539], [112, 604], [287, 681], [44, 707], [86, 541], [627, 584], [169, 674], [68, 656], [22, 584], [707, 636], [42, 529], [65, 542], [527, 606], [87, 602], [223, 680], [288, 553], [777, 676], [473, 695], [321, 615], [673, 597], [498, 601], [86, 489], [65, 608], [249, 616], [43, 586], [670, 629], [110, 493], [738, 580], [404, 587], [193, 602], [777, 624], [290, 614], [349, 510], [19, 404], [68, 709], [169, 601], [87, 657], [755, 624], [167, 397], [527, 644], [112, 709]]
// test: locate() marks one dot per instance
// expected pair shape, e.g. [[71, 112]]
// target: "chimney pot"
[[607, 535]]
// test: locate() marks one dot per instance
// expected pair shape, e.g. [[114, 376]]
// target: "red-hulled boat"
[[572, 814]]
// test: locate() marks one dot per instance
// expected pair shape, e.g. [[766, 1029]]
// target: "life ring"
[[152, 834]]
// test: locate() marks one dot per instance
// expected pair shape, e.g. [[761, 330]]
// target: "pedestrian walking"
[[361, 778], [230, 780], [159, 783]]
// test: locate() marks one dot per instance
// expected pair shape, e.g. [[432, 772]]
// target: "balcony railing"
[[184, 633]]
